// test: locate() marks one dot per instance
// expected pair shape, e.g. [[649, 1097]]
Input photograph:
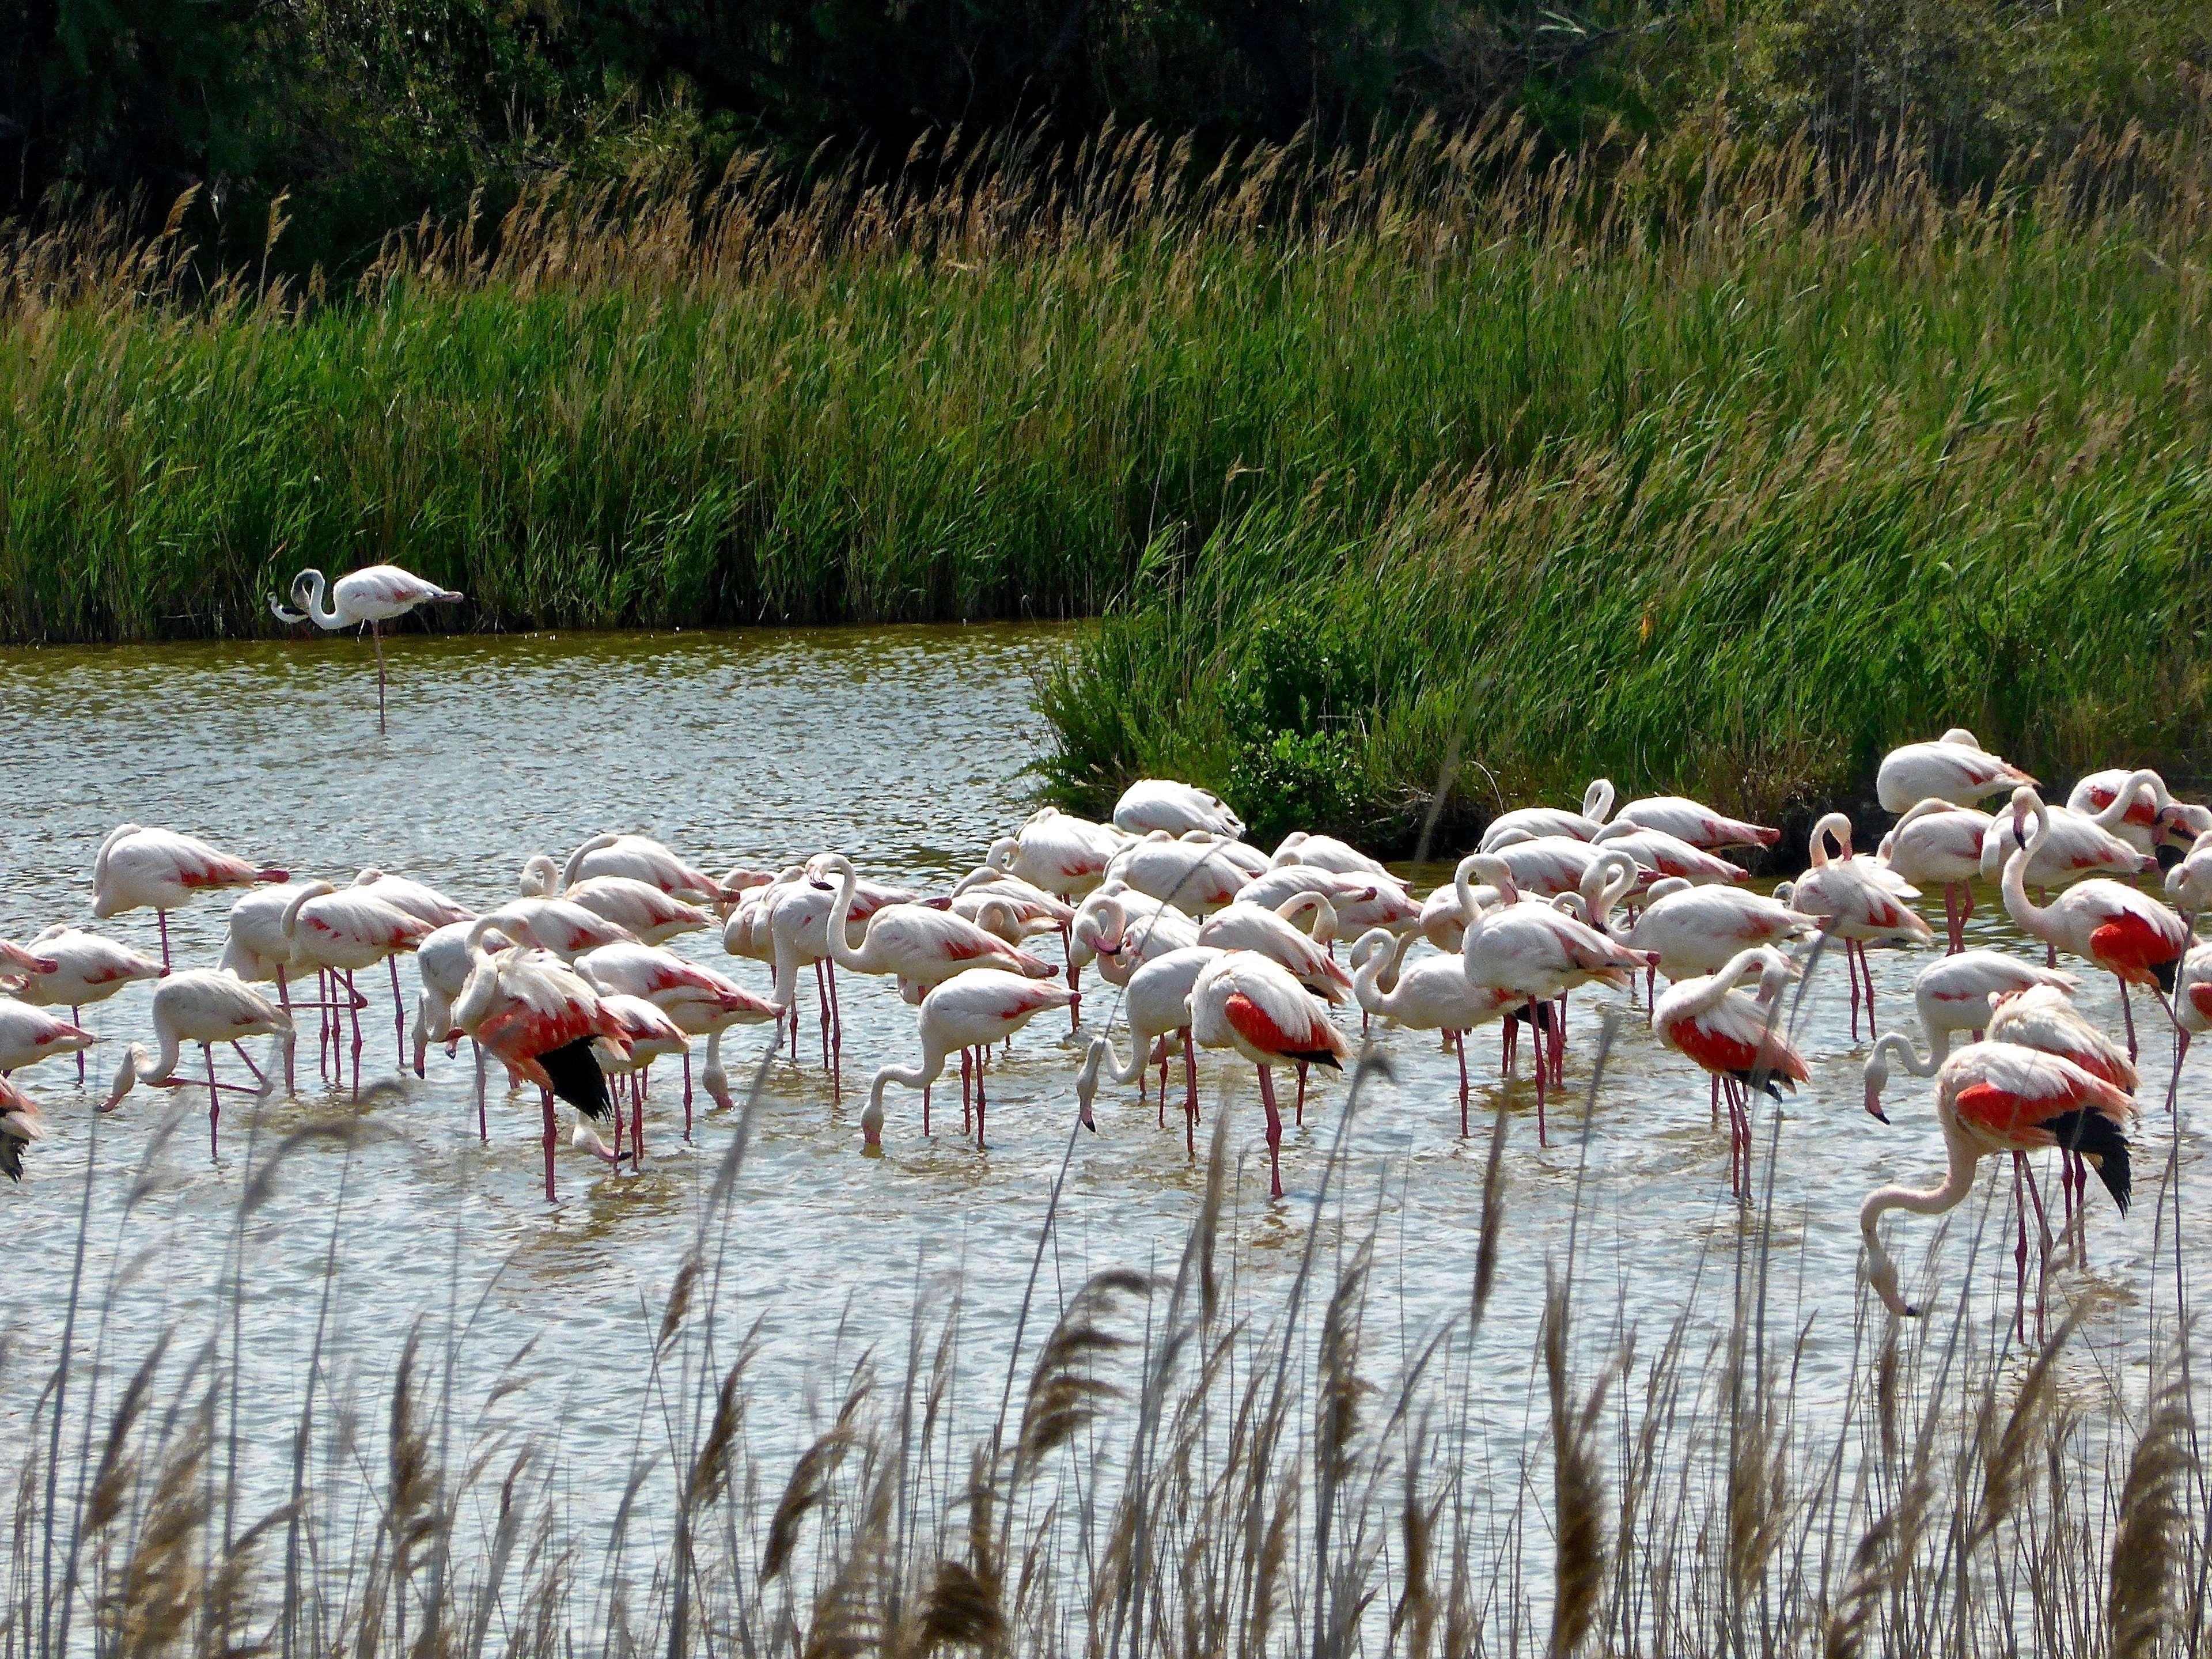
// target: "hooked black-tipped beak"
[[826, 886], [1874, 1111]]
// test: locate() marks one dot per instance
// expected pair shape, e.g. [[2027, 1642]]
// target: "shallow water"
[[904, 748]]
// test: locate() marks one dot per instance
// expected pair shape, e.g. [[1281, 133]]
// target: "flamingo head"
[[1874, 1098]]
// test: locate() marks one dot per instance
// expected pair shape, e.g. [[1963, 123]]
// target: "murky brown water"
[[904, 748]]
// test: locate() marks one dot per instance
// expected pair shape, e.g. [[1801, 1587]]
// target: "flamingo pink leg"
[[76, 1018], [398, 1017], [377, 637], [2127, 1015], [359, 1042], [1274, 1133], [1302, 1094], [980, 1104], [545, 1098], [1190, 1094], [484, 1128], [1459, 1044], [215, 1097], [162, 918], [284, 1001], [1074, 979], [1543, 1134], [636, 1126]]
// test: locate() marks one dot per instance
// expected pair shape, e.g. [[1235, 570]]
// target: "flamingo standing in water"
[[2193, 1010], [415, 897], [2153, 816], [1194, 875], [1541, 821], [2189, 883], [443, 962], [787, 926], [30, 1035], [140, 867], [920, 946], [1359, 903], [72, 968], [701, 1001], [2078, 846], [649, 1035], [339, 931], [1156, 1004], [637, 907], [1857, 900], [1433, 994], [1662, 854], [1951, 996], [1327, 853], [1954, 768], [1241, 925], [375, 594], [554, 924], [1999, 1097], [1104, 930], [1699, 930], [1247, 1003], [204, 1007], [2041, 1017], [541, 1018], [1936, 843], [970, 1012], [20, 1125], [1695, 823], [1151, 804], [643, 859], [2122, 930], [1732, 1036]]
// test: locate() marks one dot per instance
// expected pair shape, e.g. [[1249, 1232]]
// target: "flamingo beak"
[[1873, 1106]]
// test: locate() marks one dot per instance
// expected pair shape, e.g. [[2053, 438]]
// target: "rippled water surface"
[[905, 748]]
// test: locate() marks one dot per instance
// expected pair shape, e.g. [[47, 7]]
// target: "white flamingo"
[[1937, 844], [969, 1013], [374, 595], [1151, 804], [1859, 900], [1247, 1003], [74, 968], [1432, 993], [1954, 768], [140, 868], [1156, 1006], [203, 1006]]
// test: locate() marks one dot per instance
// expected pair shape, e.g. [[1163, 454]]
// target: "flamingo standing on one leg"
[[204, 1007], [1998, 1097], [375, 594], [1859, 900], [1935, 844], [140, 867], [1732, 1037], [1431, 994], [72, 968], [2121, 929], [20, 1125], [1247, 1003], [969, 1013]]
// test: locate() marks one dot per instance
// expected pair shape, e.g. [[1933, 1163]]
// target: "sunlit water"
[[906, 748]]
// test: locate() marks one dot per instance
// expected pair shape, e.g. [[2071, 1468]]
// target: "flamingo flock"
[[570, 982]]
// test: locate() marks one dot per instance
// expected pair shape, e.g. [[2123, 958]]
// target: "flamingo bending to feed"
[[30, 1035], [2078, 846], [20, 1125], [375, 594], [2189, 883], [1151, 804], [2153, 818], [1954, 768], [342, 930], [1122, 944], [969, 1013], [1326, 853], [919, 947], [2042, 1019], [791, 919], [72, 968], [1859, 900], [205, 1006], [1695, 823], [643, 859], [648, 1034], [140, 867], [1935, 844], [1953, 996], [2122, 930], [554, 924], [1194, 875], [1732, 1037], [540, 1018], [1156, 1002], [1999, 1097], [1247, 1003], [1541, 821], [638, 907], [1663, 855], [1430, 994], [443, 962], [701, 1001]]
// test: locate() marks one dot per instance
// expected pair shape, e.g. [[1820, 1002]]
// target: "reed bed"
[[1718, 468], [1152, 1461]]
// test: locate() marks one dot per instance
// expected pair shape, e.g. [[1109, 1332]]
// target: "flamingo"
[[201, 1005], [1999, 1097], [1193, 876], [1699, 930], [2193, 1010], [1122, 944], [1548, 864], [2042, 1019], [1431, 994], [638, 907], [2189, 883], [1065, 855], [375, 594], [2128, 935], [1732, 1037], [1360, 901], [2079, 847], [30, 1035], [1953, 996], [1540, 821], [920, 946], [1273, 933], [650, 1034], [1665, 855], [443, 962], [1937, 843], [1695, 823], [341, 931], [566, 929], [1156, 1002], [969, 1013], [643, 859], [1151, 804], [1856, 899], [415, 897], [140, 867], [20, 1125], [787, 924], [1955, 767], [1327, 852], [1008, 911], [73, 968], [2152, 817], [701, 1001], [1247, 1003], [540, 1018]]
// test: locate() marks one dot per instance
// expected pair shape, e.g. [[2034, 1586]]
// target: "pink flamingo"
[[140, 867], [1121, 942], [1937, 843], [1731, 1036], [1859, 900], [72, 968], [2189, 883], [643, 859], [970, 1012], [339, 931], [2153, 816], [1431, 994], [1694, 824], [204, 1007], [1999, 1097], [1954, 768], [1274, 933], [1156, 1006], [1196, 875], [2042, 1019], [19, 1126], [1542, 821], [1151, 804], [919, 947], [1951, 996], [1662, 854], [650, 1034], [787, 925], [375, 594], [2078, 846], [1327, 852], [701, 1001], [1360, 901], [554, 924], [2193, 1010], [415, 897], [1245, 1002], [1700, 930], [2128, 935], [638, 907], [30, 1035]]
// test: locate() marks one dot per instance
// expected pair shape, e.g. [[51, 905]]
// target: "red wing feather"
[[1253, 1025], [2130, 946]]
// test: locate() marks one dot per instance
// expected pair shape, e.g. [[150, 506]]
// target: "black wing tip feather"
[[577, 1079], [11, 1156], [1317, 1057], [2097, 1138]]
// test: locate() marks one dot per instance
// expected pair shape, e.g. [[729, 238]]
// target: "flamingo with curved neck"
[[375, 595], [1733, 1038], [1433, 994], [920, 946], [204, 1007]]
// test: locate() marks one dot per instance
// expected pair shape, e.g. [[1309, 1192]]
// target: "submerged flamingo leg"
[[1074, 977], [545, 1098], [1190, 1094], [377, 637], [1543, 1136], [1274, 1133], [359, 1041], [967, 1104], [2043, 1230], [215, 1097], [284, 1001], [980, 1104], [2127, 1015], [398, 1017], [1302, 1094], [483, 1128], [76, 1018], [2020, 1252], [161, 917], [1459, 1044]]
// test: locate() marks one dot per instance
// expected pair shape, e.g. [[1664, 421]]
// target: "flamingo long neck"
[[911, 1076], [1604, 884], [320, 610], [860, 960], [1958, 1181], [307, 891], [2034, 918], [1836, 824], [1598, 800], [1716, 990], [540, 878], [1112, 1061], [1470, 913], [576, 859], [158, 1068], [1899, 1046], [2144, 781], [1323, 928]]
